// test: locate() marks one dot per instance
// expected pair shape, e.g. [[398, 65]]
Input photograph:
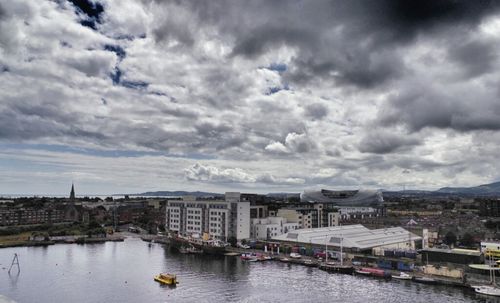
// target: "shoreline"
[[29, 243], [312, 262]]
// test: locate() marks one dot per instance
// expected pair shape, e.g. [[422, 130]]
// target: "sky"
[[126, 96]]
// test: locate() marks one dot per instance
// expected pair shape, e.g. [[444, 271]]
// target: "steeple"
[[72, 193]]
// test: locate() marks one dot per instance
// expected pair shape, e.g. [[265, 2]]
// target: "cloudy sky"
[[124, 96]]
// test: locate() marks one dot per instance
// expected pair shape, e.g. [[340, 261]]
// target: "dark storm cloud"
[[383, 142], [3, 13], [262, 39], [476, 57], [425, 106], [414, 15], [349, 42]]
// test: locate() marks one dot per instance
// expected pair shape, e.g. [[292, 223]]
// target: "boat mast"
[[341, 246], [326, 249]]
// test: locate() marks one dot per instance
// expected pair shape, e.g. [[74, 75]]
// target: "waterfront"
[[123, 272]]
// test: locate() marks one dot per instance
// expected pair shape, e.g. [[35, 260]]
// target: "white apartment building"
[[266, 228], [219, 219], [347, 213]]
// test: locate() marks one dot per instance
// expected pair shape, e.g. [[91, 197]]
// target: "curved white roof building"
[[360, 197]]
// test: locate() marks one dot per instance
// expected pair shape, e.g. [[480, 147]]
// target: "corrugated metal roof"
[[354, 236]]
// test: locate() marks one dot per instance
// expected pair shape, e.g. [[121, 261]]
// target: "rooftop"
[[354, 236]]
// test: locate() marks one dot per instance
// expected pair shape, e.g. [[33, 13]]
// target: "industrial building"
[[456, 256], [354, 238]]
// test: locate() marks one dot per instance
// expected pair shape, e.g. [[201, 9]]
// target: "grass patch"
[[15, 239]]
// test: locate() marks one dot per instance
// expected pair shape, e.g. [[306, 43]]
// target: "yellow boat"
[[169, 279]]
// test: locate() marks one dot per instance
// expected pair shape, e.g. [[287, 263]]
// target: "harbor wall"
[[443, 271]]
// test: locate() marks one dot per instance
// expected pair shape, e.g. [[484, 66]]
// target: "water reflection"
[[123, 272]]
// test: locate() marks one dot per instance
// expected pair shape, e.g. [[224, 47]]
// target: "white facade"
[[266, 228], [304, 220], [357, 212], [219, 219], [243, 221]]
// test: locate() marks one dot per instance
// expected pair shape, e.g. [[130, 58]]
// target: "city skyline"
[[250, 96]]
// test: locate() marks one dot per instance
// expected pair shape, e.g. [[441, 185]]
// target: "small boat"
[[285, 260], [309, 263], [165, 278], [341, 269], [402, 276], [487, 290], [362, 272], [190, 250], [249, 257], [295, 256], [424, 280], [376, 272]]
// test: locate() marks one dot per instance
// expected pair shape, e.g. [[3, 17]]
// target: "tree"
[[467, 240], [232, 241], [450, 238]]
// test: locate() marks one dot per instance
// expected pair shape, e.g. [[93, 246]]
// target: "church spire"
[[72, 193]]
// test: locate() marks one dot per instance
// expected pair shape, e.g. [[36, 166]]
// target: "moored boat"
[[213, 247], [424, 280], [190, 250], [402, 276], [309, 263], [376, 272], [341, 269], [488, 290], [362, 272], [166, 278]]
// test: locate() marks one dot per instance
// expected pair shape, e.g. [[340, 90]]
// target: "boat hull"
[[488, 291], [425, 280], [207, 249], [401, 278], [167, 280], [341, 269]]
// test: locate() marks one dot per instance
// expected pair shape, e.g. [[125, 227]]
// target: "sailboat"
[[489, 290], [339, 268]]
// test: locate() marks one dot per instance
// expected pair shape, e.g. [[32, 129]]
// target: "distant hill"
[[485, 189], [177, 194]]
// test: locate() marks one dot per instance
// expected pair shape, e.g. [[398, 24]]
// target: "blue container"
[[385, 264], [403, 266]]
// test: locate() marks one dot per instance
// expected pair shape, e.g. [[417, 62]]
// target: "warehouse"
[[354, 238]]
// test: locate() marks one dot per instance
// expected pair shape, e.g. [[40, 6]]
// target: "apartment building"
[[266, 228], [225, 219]]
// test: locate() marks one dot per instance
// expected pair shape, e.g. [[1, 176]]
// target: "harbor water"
[[123, 272]]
